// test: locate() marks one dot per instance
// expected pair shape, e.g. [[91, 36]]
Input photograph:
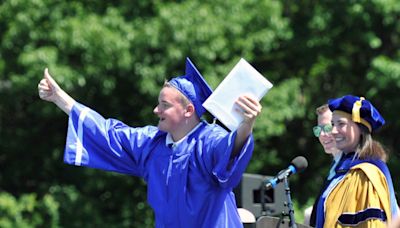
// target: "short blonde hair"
[[184, 100], [322, 109]]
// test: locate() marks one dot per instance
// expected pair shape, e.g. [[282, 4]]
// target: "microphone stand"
[[289, 204]]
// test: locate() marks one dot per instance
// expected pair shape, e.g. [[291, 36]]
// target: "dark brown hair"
[[369, 148]]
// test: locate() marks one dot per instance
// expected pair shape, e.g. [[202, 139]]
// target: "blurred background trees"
[[114, 56]]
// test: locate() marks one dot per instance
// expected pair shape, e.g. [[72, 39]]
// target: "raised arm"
[[251, 108], [50, 91]]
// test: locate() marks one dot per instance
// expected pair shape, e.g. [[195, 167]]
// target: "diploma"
[[243, 79]]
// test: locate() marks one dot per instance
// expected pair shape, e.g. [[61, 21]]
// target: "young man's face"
[[325, 138], [170, 110]]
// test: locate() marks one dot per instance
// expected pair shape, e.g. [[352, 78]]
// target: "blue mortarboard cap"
[[193, 86], [359, 109]]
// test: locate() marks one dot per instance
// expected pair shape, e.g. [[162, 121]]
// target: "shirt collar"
[[170, 141], [337, 157]]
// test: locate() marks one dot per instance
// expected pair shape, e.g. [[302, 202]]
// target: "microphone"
[[298, 164]]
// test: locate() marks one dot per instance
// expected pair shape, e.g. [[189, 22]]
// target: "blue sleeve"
[[228, 171], [105, 144]]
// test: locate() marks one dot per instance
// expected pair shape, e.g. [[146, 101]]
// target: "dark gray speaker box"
[[248, 195]]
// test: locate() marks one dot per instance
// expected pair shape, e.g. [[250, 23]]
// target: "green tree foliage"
[[28, 211], [114, 56]]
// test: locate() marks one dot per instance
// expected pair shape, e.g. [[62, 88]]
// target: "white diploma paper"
[[243, 79]]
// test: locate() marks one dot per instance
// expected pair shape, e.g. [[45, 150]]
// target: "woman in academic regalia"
[[361, 193]]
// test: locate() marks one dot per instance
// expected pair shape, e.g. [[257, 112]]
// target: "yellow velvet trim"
[[348, 115], [356, 110], [364, 186]]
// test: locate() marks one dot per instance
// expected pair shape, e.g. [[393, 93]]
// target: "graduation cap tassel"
[[356, 110]]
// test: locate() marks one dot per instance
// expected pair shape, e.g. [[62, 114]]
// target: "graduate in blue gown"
[[190, 166]]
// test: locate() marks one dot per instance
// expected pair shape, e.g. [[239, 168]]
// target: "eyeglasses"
[[327, 128]]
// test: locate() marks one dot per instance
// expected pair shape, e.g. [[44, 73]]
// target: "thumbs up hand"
[[49, 90], [48, 87]]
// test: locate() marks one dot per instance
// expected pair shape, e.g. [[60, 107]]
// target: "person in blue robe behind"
[[189, 165]]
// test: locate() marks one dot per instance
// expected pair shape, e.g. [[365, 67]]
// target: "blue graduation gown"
[[189, 185]]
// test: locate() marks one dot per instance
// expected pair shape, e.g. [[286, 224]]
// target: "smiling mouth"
[[338, 140], [327, 140]]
